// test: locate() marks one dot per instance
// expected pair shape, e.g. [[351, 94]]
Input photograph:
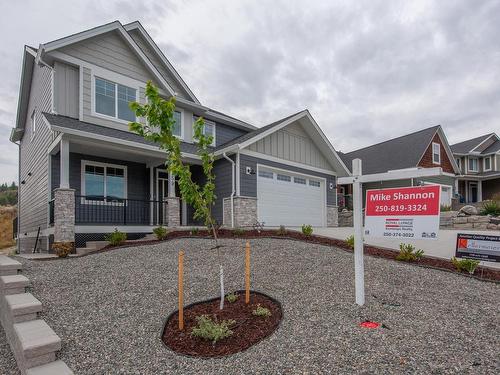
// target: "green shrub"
[[116, 238], [281, 231], [261, 311], [468, 265], [160, 232], [232, 297], [307, 229], [63, 249], [350, 241], [207, 329], [491, 208], [407, 253], [445, 207], [238, 231], [194, 231]]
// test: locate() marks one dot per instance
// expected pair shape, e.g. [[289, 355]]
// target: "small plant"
[[207, 329], [160, 232], [468, 265], [407, 253], [491, 208], [232, 297], [63, 249], [350, 241], [194, 231], [261, 311], [281, 231], [307, 229], [238, 231], [445, 208], [116, 238]]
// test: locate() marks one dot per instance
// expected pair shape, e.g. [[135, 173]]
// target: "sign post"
[[357, 179]]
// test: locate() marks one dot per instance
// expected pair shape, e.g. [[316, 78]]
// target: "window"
[[459, 163], [33, 124], [177, 130], [104, 182], [487, 163], [436, 153], [314, 183], [209, 128], [266, 174], [473, 165], [299, 180], [284, 177], [112, 99]]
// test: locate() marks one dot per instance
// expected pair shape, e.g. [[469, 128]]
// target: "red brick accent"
[[426, 161]]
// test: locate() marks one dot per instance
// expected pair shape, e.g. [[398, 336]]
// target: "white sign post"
[[357, 179]]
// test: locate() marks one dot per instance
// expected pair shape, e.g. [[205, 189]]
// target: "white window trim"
[[468, 164], [182, 122], [117, 80], [33, 124], [438, 153], [84, 163], [459, 163], [484, 164]]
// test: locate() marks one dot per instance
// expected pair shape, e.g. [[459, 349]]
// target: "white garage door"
[[286, 198]]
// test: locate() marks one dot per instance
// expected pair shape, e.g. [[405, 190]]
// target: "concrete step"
[[13, 284], [53, 368], [98, 245], [22, 307], [84, 250], [35, 344], [9, 266]]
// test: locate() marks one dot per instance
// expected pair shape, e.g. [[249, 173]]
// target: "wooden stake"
[[247, 273], [181, 290]]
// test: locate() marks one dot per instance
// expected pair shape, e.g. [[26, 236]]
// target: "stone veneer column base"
[[245, 211], [332, 216], [173, 212], [64, 215]]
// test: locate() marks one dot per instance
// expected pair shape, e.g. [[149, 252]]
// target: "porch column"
[[64, 164], [237, 174], [480, 191], [151, 195], [173, 204]]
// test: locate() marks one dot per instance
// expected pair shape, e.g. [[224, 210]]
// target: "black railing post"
[[124, 212]]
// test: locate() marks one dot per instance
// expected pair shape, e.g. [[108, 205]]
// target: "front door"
[[162, 197], [472, 192]]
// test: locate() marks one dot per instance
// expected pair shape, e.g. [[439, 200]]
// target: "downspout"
[[232, 187]]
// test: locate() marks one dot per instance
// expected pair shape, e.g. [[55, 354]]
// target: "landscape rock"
[[492, 226], [495, 220], [469, 210]]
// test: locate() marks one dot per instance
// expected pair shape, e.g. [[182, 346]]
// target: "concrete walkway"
[[443, 247]]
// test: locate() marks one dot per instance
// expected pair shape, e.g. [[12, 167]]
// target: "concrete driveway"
[[443, 247]]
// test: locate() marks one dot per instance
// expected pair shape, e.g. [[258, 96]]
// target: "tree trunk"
[[221, 268]]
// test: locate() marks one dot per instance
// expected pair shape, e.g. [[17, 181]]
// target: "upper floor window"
[[436, 153], [112, 99], [487, 163], [104, 181], [473, 165], [177, 130], [208, 129], [33, 123], [459, 163]]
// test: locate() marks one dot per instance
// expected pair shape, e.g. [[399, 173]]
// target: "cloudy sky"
[[367, 70]]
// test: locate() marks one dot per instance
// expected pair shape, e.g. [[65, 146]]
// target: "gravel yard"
[[109, 311]]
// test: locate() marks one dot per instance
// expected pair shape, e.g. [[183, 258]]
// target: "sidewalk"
[[443, 247]]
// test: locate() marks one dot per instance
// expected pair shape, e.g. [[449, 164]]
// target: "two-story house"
[[82, 173], [479, 163]]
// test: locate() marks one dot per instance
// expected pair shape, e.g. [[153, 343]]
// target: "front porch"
[[478, 189]]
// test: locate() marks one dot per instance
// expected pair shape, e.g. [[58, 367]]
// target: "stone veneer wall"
[[245, 211], [345, 219], [332, 216], [64, 215], [173, 212]]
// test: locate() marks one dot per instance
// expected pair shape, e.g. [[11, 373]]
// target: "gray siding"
[[66, 85], [223, 186], [292, 143], [225, 133], [248, 182], [34, 194]]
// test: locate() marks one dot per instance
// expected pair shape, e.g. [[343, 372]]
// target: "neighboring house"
[[83, 174], [426, 148], [479, 163]]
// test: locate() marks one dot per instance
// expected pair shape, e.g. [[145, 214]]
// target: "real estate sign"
[[411, 212], [478, 246]]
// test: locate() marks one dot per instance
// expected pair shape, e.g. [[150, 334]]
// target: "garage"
[[290, 199]]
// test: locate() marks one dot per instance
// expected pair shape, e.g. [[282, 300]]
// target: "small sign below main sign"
[[478, 246], [411, 212]]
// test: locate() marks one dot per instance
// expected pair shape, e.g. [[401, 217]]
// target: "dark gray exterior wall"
[[226, 133], [223, 186], [248, 182]]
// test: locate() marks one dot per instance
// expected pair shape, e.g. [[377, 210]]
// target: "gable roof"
[[469, 145], [321, 140], [494, 147], [397, 153]]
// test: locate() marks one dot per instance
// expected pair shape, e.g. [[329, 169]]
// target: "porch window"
[[104, 182], [473, 165], [112, 99], [487, 163], [436, 153]]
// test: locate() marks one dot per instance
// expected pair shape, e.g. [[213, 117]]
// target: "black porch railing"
[[98, 211]]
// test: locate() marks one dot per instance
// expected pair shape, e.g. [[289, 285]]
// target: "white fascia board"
[[137, 25], [393, 175], [24, 85]]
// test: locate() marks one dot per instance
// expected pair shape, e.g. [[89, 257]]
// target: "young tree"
[[159, 126]]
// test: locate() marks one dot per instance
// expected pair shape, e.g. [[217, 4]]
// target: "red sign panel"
[[412, 201]]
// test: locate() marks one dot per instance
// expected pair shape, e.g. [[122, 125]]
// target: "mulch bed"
[[247, 331]]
